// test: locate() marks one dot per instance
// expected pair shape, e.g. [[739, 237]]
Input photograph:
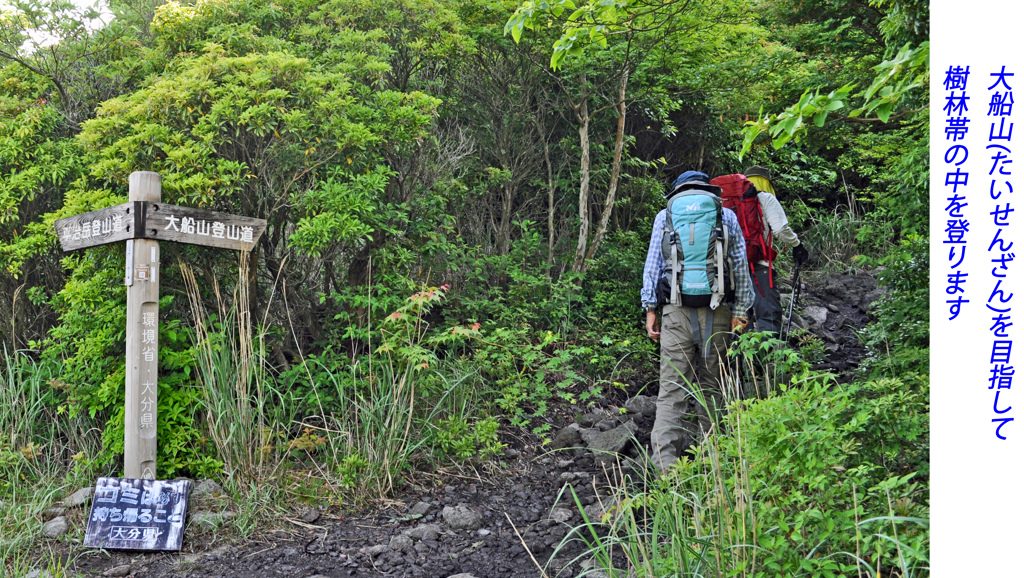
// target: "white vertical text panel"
[[976, 493]]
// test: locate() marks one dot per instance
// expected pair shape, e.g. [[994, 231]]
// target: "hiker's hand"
[[739, 324], [800, 254], [652, 325]]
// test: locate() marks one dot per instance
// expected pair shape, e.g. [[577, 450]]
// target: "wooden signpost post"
[[143, 222]]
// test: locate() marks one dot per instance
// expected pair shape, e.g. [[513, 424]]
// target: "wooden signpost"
[[143, 222]]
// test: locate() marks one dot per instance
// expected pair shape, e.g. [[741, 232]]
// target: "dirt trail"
[[477, 535], [833, 310], [392, 542]]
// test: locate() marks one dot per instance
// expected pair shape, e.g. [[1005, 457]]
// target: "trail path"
[[475, 525]]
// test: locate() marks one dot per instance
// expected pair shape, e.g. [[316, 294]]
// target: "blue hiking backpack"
[[694, 244]]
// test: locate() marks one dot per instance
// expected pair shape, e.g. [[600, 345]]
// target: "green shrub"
[[898, 339], [459, 439], [785, 490], [89, 346]]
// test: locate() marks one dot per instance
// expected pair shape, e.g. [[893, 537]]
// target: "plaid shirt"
[[736, 258]]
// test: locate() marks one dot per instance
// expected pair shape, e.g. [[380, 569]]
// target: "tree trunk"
[[613, 183], [492, 243], [551, 189], [583, 115], [551, 208], [505, 223]]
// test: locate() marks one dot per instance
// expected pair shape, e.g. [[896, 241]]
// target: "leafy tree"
[[37, 160], [612, 44], [899, 81], [72, 46]]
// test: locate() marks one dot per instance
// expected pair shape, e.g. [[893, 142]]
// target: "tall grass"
[[22, 400], [232, 368], [833, 239], [44, 454], [387, 405], [766, 494], [356, 430], [367, 433]]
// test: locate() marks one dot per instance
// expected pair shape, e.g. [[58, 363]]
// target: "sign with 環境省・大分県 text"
[[139, 512]]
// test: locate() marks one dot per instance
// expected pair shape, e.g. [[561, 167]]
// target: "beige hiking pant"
[[689, 375]]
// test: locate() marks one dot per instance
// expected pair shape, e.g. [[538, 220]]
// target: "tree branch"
[[892, 118]]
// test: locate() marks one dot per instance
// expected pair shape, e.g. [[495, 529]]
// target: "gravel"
[[121, 570], [424, 532], [566, 437], [310, 515], [207, 489], [420, 509], [51, 513], [560, 515], [646, 405], [401, 542], [210, 518], [606, 444]]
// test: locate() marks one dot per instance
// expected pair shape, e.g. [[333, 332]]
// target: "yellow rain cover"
[[763, 185]]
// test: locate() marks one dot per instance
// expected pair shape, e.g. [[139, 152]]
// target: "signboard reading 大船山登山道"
[[131, 514], [201, 227]]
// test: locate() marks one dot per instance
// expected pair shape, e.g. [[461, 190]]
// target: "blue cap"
[[690, 176]]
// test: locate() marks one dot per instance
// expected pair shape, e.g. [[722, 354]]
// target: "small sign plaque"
[[201, 227], [109, 225], [129, 514]]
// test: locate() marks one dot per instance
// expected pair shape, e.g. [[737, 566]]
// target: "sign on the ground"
[[132, 514]]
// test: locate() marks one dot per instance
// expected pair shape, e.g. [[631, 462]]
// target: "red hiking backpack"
[[740, 195]]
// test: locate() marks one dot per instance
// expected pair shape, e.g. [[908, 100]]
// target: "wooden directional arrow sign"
[[100, 227], [146, 220], [143, 222], [199, 227]]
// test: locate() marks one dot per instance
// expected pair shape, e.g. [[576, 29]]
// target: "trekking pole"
[[796, 295]]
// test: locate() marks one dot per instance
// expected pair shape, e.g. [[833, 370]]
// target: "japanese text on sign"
[[999, 303], [956, 155], [93, 228], [137, 514], [203, 228]]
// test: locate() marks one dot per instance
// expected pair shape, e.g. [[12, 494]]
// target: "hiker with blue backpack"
[[696, 271], [762, 219]]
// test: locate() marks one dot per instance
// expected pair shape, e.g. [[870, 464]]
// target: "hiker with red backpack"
[[697, 272], [762, 219]]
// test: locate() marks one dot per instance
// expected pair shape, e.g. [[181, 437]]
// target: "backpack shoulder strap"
[[721, 246], [673, 256]]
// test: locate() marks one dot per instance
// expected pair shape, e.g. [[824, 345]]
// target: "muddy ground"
[[491, 514]]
